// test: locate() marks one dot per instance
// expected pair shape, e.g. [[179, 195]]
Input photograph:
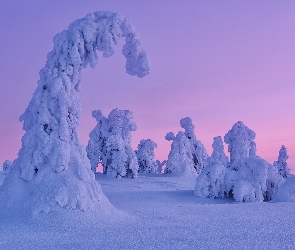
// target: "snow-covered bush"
[[248, 177], [6, 165], [52, 167], [180, 159], [110, 144], [210, 183], [282, 164], [286, 192], [199, 152], [146, 157]]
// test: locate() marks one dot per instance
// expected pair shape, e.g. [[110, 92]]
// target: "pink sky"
[[217, 62]]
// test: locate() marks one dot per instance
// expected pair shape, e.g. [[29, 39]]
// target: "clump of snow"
[[247, 177], [186, 151], [282, 164], [52, 170], [286, 192], [6, 166], [146, 157], [110, 144]]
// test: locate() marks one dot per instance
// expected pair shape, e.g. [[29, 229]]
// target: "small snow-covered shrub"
[[210, 183], [282, 164], [180, 160], [146, 157], [286, 192]]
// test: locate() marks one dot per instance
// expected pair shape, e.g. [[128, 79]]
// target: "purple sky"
[[217, 62]]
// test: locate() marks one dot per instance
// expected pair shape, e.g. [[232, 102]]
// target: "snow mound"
[[286, 192]]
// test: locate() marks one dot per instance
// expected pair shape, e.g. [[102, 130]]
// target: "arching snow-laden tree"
[[146, 157], [110, 144], [282, 164], [180, 159], [198, 150], [52, 163]]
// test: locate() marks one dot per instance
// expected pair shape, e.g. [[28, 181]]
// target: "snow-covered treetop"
[[282, 164], [218, 151], [170, 136], [283, 155], [188, 126], [239, 141]]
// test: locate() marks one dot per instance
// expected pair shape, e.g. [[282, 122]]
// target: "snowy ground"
[[163, 214]]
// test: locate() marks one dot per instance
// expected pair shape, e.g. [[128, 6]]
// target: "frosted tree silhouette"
[[198, 150], [180, 159], [52, 163], [282, 164], [110, 144], [218, 151], [146, 157]]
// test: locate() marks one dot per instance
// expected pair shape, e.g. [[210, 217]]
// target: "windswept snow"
[[159, 213]]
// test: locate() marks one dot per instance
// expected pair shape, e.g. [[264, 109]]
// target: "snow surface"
[[160, 213]]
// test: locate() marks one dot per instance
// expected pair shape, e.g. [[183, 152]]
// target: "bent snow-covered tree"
[[52, 165], [282, 164], [146, 157], [110, 144]]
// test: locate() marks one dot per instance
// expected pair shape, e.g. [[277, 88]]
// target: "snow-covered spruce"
[[52, 170], [146, 157], [199, 152], [248, 177], [110, 144], [210, 183], [180, 159], [282, 164]]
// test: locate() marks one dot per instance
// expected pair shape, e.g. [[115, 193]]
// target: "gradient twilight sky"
[[217, 62]]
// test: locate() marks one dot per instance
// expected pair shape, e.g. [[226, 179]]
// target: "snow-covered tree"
[[249, 178], [6, 165], [180, 159], [218, 151], [110, 144], [146, 157], [282, 164], [211, 181], [198, 150], [52, 166], [239, 140], [160, 165]]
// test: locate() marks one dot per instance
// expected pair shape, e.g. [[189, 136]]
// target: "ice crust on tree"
[[247, 177], [52, 170], [282, 164], [146, 157], [186, 150], [110, 144]]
